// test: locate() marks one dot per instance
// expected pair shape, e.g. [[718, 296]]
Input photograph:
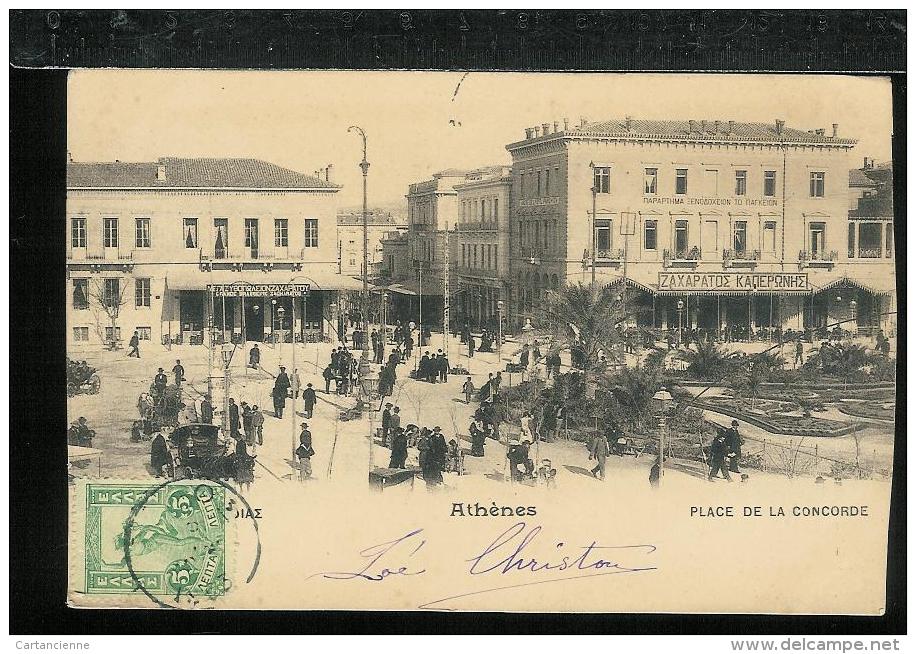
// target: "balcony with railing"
[[532, 253], [820, 259], [101, 259], [681, 258], [488, 226], [733, 258], [870, 253], [251, 259]]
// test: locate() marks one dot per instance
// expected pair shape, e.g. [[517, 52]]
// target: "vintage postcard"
[[458, 341]]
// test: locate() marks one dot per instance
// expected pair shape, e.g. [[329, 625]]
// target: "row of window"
[[710, 185], [539, 235], [868, 240], [537, 183], [111, 333], [489, 256], [109, 293], [739, 242], [110, 236], [483, 210]]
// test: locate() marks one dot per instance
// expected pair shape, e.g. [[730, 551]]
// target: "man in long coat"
[[310, 399], [599, 452], [281, 387]]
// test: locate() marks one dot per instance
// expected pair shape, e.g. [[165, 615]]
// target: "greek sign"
[[257, 290], [711, 202], [733, 281]]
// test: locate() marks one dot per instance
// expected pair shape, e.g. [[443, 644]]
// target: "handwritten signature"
[[372, 570], [511, 555]]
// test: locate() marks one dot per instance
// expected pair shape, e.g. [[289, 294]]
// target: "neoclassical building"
[[706, 223], [169, 245]]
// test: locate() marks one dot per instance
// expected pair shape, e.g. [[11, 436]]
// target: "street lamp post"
[[680, 322], [384, 335], [364, 165], [853, 316], [227, 359], [662, 400]]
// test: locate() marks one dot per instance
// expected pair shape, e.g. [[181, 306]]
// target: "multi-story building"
[[432, 211], [705, 223], [480, 245], [166, 246], [350, 238]]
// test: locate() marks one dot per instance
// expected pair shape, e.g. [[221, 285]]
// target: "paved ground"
[[342, 447]]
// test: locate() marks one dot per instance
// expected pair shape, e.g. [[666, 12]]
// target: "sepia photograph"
[[472, 341]]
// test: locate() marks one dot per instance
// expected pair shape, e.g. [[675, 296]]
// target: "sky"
[[421, 122]]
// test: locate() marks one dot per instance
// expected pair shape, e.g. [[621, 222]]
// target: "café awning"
[[847, 281], [198, 280]]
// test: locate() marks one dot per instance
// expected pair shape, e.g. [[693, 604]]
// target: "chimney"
[[692, 126], [327, 173], [556, 127], [779, 125], [546, 128], [529, 133], [864, 162], [583, 121], [836, 127], [717, 127], [566, 124], [537, 131], [629, 122], [820, 132], [731, 126], [160, 172]]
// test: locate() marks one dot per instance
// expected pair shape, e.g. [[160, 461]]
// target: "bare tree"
[[106, 297]]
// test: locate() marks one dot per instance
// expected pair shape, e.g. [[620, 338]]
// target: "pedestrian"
[[257, 423], [134, 345], [423, 367], [206, 410], [254, 357], [244, 464], [717, 453], [408, 345], [178, 371], [305, 452], [328, 375], [234, 424], [655, 472], [733, 441], [443, 367], [281, 387], [435, 458], [423, 445], [386, 423], [398, 450], [471, 345], [495, 383], [478, 438], [160, 381], [799, 354], [600, 451], [395, 422], [523, 358], [468, 390], [521, 464], [159, 454], [246, 424], [526, 425], [310, 399]]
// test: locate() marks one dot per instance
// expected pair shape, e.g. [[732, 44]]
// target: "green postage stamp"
[[160, 539]]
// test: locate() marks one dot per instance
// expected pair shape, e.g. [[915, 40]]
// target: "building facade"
[[480, 262], [165, 247], [705, 224], [350, 239]]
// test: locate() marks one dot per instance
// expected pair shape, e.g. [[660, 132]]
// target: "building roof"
[[858, 179], [719, 130], [193, 173]]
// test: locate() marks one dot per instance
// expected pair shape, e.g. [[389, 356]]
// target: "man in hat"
[[423, 367], [468, 388], [254, 357], [134, 345], [310, 399], [398, 449], [305, 452], [281, 386], [386, 422], [443, 367], [257, 424], [733, 441], [394, 423], [206, 410], [234, 424], [599, 451], [717, 453], [160, 381], [178, 371], [435, 460]]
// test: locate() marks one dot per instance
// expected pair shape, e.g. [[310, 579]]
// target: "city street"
[[342, 447]]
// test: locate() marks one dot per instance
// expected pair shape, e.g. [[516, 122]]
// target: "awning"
[[197, 280], [845, 280], [400, 288], [711, 292]]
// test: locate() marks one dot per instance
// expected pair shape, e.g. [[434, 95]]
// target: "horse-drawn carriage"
[[82, 378], [159, 408], [199, 451]]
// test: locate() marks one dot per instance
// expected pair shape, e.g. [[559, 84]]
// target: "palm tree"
[[708, 361], [585, 319]]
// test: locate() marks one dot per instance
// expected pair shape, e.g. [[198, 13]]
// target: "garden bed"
[[868, 410], [779, 423]]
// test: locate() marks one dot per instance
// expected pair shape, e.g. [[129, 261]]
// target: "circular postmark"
[[182, 501]]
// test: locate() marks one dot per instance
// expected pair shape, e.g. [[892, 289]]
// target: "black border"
[[38, 490]]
